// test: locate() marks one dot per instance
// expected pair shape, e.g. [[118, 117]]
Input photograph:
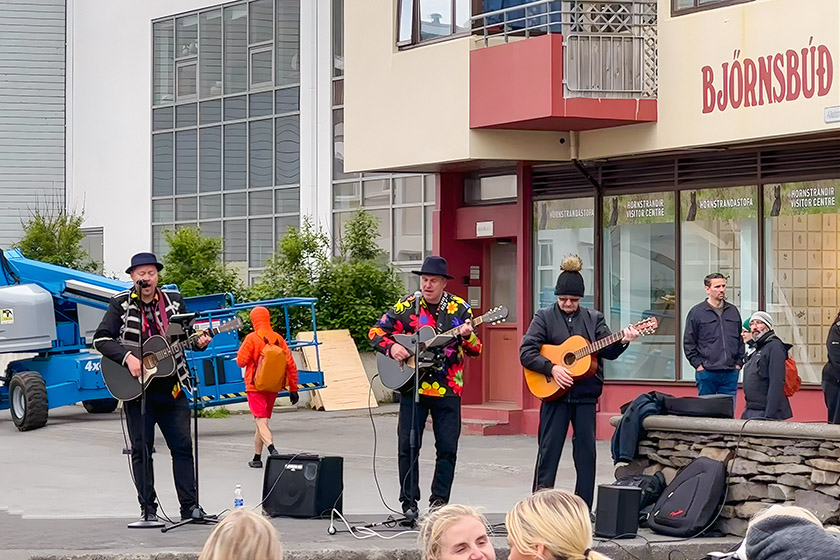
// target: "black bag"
[[709, 406], [652, 486], [692, 500]]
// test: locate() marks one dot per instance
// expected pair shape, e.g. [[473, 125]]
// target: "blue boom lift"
[[53, 312]]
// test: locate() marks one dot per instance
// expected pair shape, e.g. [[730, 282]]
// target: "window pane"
[[186, 36], [639, 281], [338, 37], [210, 62], [338, 92], [235, 205], [186, 162], [261, 243], [287, 100], [259, 203], [283, 223], [210, 206], [719, 229], [236, 108], [801, 232], [211, 229], [163, 86], [384, 238], [408, 190], [162, 165], [185, 115], [435, 18], [429, 187], [162, 118], [462, 15], [259, 156], [288, 42], [210, 159], [287, 200], [428, 212], [235, 151], [408, 234], [376, 193], [236, 48], [261, 104], [487, 189], [406, 9], [234, 242], [261, 72], [346, 195], [186, 209], [338, 146], [159, 244], [210, 112], [287, 131], [162, 211], [186, 80], [260, 21]]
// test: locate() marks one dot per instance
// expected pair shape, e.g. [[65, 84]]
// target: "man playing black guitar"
[[145, 311], [440, 385], [553, 325]]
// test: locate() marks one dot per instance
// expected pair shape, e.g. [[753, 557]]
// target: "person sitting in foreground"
[[455, 532], [790, 533], [243, 535]]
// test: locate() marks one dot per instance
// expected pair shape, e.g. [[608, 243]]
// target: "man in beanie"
[[553, 325], [790, 533], [764, 372], [712, 340]]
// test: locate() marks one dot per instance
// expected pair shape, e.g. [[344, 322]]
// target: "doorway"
[[502, 371]]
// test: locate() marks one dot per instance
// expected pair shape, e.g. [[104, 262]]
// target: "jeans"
[[717, 382]]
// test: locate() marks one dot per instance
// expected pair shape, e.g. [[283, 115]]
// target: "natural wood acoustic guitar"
[[576, 355]]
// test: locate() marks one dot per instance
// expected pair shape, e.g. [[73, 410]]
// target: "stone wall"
[[767, 462]]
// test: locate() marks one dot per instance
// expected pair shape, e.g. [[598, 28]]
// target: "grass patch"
[[214, 412]]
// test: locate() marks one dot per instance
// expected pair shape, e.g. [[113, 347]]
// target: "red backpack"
[[792, 380]]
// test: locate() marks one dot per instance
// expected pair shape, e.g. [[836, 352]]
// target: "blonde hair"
[[556, 519], [244, 535], [435, 524]]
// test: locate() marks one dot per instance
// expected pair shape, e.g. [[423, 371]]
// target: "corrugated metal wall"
[[32, 70]]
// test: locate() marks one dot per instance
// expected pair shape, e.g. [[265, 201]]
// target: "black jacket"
[[548, 327], [711, 340], [764, 379], [832, 343]]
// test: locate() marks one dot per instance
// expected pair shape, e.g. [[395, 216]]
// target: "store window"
[[719, 230], [639, 276], [564, 227], [802, 221]]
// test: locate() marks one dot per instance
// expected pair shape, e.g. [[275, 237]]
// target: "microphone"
[[142, 284], [417, 295]]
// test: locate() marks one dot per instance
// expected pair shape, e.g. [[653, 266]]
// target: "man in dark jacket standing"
[[712, 340], [553, 325], [831, 373], [764, 372]]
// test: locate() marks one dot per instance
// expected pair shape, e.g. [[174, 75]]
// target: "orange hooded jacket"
[[249, 353]]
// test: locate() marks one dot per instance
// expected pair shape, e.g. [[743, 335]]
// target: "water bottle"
[[238, 500]]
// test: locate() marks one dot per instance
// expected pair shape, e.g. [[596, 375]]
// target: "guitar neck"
[[176, 347], [598, 345], [451, 332]]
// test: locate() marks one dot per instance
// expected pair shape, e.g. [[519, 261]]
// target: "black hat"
[[433, 266], [141, 259], [570, 281]]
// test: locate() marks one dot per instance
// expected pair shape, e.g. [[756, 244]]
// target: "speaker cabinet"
[[617, 514], [303, 485]]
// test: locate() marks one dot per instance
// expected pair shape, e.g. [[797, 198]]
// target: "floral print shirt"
[[448, 378]]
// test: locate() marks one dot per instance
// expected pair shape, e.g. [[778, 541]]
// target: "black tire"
[[28, 401], [101, 406]]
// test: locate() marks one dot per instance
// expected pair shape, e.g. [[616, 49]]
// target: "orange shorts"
[[261, 403]]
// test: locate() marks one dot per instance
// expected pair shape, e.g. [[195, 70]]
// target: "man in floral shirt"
[[440, 385]]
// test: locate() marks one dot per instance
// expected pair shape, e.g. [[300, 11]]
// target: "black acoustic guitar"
[[158, 361], [398, 376]]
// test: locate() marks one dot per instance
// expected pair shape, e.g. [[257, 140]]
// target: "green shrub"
[[55, 238]]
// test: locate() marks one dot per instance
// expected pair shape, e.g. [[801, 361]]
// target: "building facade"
[[660, 140]]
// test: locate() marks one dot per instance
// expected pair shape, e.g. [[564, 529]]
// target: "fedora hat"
[[433, 266], [141, 259]]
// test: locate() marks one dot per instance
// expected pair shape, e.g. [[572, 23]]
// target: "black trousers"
[[554, 424], [831, 389], [173, 417], [446, 423]]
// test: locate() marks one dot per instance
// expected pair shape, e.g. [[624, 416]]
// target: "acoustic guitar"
[[158, 361], [397, 376], [576, 355]]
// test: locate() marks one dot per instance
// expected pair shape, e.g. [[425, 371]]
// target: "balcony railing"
[[610, 48]]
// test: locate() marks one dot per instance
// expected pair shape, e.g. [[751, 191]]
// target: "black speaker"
[[617, 514], [302, 485]]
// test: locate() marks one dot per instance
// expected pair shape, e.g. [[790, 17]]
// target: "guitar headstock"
[[646, 326], [496, 315], [232, 325]]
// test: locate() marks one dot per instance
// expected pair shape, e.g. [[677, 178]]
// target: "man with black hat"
[[553, 325], [440, 385], [143, 311]]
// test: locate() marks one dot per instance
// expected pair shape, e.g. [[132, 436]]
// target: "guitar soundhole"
[[569, 359]]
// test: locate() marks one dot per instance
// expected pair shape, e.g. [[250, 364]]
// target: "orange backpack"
[[792, 380], [271, 368]]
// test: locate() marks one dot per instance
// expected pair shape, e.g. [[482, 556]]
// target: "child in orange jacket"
[[261, 403]]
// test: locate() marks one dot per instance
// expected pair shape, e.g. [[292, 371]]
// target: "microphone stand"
[[413, 469], [144, 523]]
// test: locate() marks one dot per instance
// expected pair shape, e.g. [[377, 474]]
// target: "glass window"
[[236, 205], [210, 62], [261, 72], [429, 188], [261, 12], [163, 61], [688, 6], [338, 146], [162, 211], [259, 203], [162, 118], [640, 281], [162, 164], [287, 100], [338, 92], [462, 15], [384, 222], [235, 151], [259, 154], [339, 220], [260, 104], [435, 18], [346, 195], [287, 201], [210, 206], [210, 159], [802, 224], [236, 108], [186, 80], [428, 226], [236, 48], [186, 209], [408, 234], [287, 150], [376, 193], [406, 20], [338, 37], [283, 223], [288, 42], [185, 115], [159, 244], [261, 241], [490, 189], [186, 36], [408, 190], [211, 229], [94, 244], [210, 112], [719, 231], [235, 241], [186, 162]]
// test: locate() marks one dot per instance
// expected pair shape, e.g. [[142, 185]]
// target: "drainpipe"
[[574, 145]]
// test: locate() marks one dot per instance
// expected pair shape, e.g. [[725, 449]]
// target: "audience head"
[[243, 535], [549, 525], [790, 533], [455, 532]]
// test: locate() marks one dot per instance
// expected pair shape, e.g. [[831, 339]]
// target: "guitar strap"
[[444, 299]]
